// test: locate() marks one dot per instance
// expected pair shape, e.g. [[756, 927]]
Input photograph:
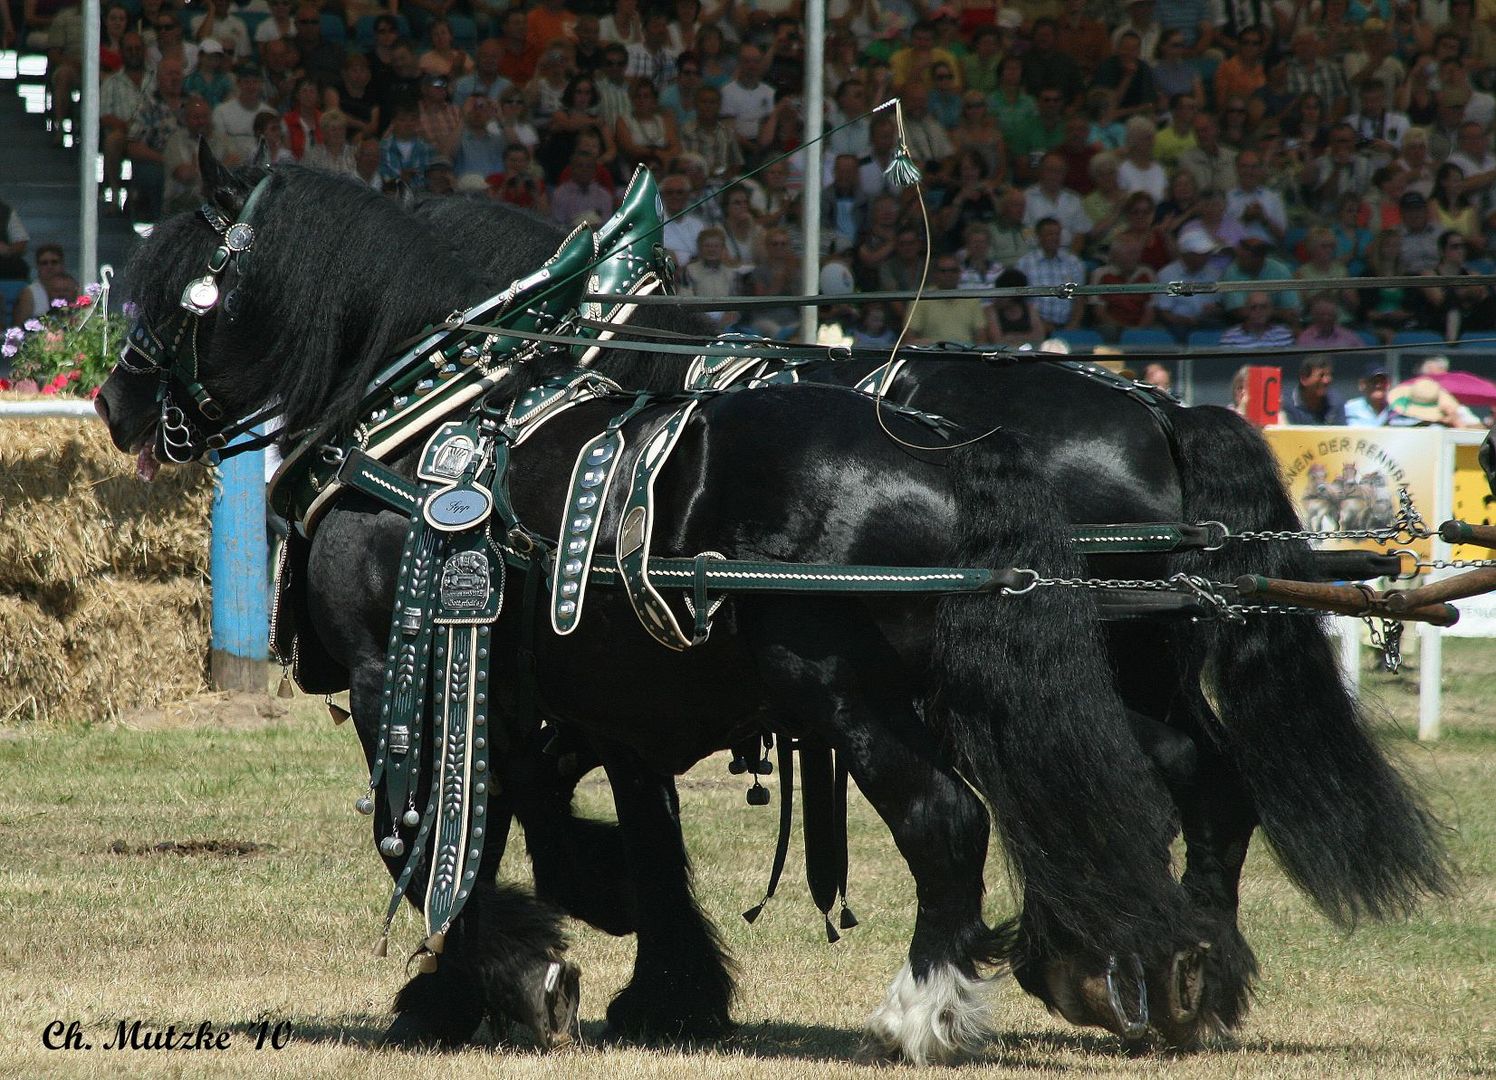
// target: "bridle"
[[170, 351]]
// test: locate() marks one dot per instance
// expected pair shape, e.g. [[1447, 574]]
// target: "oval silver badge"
[[457, 508]]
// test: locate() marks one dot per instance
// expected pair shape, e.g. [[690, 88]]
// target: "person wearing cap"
[[1423, 401], [1313, 399], [220, 24], [234, 119], [211, 80], [441, 124], [1371, 408], [1185, 313], [1420, 236]]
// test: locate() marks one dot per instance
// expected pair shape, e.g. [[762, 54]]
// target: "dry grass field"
[[267, 899]]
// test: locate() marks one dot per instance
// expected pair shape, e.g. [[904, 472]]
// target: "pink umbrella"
[[1467, 388]]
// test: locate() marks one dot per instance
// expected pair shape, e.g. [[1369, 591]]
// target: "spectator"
[[741, 232], [849, 105], [334, 153], [844, 207], [710, 136], [1051, 264], [1223, 230], [279, 25], [875, 329], [444, 58], [1012, 237], [971, 196], [211, 81], [679, 95], [1242, 75], [1452, 309], [1454, 80], [220, 24], [1157, 375], [439, 178], [513, 122], [1030, 140], [170, 43], [181, 187], [400, 83], [1325, 330], [653, 57], [965, 320], [1186, 313], [1314, 400], [1382, 208], [747, 100], [710, 275], [717, 65], [304, 119], [152, 127], [1418, 234], [579, 111], [356, 98], [1138, 170], [270, 141], [1259, 209], [928, 143], [1129, 79], [1049, 198], [1177, 137], [1253, 264], [1017, 317], [1181, 207], [53, 282], [1085, 38], [1257, 330], [234, 119], [1175, 71], [777, 273], [1375, 59], [1104, 204], [682, 229], [1371, 408], [1322, 265], [278, 66], [518, 55], [480, 150], [1385, 309], [873, 169], [1341, 171], [366, 161], [580, 196], [623, 26], [646, 135], [441, 124], [1451, 207], [1140, 21], [979, 64], [321, 59], [518, 185], [1012, 106], [1236, 126], [122, 97], [404, 154], [1379, 132], [1046, 66], [945, 97], [979, 269], [1112, 313], [1474, 158], [1212, 162], [543, 93], [1139, 213], [913, 63], [386, 38], [1308, 72], [13, 241], [904, 271], [484, 77]]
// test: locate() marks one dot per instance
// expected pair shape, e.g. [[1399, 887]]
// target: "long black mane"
[[338, 276], [510, 242]]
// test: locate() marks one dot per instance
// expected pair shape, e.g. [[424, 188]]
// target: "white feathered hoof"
[[930, 1021]]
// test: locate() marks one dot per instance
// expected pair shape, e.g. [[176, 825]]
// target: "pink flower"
[[25, 386], [49, 389], [5, 384], [83, 301]]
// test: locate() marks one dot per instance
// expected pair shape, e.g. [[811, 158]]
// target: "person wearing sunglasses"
[[171, 43]]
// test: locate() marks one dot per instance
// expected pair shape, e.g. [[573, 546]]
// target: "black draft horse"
[[1342, 822], [909, 690]]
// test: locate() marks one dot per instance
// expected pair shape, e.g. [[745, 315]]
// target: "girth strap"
[[785, 749]]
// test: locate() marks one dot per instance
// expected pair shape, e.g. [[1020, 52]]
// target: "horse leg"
[[682, 985], [858, 701]]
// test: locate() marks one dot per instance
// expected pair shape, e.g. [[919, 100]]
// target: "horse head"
[[279, 295]]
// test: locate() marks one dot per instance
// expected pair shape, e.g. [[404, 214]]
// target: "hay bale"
[[33, 665], [71, 507], [132, 644]]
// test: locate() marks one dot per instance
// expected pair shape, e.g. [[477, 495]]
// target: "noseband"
[[171, 352]]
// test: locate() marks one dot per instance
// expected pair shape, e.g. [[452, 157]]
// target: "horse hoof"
[[635, 1017], [411, 1031], [562, 1025]]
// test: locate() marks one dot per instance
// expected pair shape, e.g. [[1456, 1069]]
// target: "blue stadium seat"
[[464, 32], [1203, 339], [1416, 337], [1080, 340], [364, 31], [334, 30], [1151, 338]]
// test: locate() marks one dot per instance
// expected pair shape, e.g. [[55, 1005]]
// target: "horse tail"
[[1346, 826], [1025, 701]]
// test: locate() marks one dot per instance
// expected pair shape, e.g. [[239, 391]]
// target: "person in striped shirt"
[[1257, 330]]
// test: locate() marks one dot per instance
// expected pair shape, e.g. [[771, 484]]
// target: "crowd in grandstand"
[[1060, 140]]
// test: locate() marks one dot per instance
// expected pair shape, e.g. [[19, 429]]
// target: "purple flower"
[[9, 349], [131, 309], [59, 303], [32, 325], [94, 290]]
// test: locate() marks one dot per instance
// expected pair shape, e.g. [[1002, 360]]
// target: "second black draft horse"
[[909, 690], [1276, 740]]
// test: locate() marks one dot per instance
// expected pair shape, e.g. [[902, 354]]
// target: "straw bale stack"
[[104, 602]]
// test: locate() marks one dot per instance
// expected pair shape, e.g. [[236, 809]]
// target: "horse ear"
[[219, 186], [261, 156]]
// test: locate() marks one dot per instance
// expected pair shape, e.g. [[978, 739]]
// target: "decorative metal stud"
[[586, 500], [571, 567], [576, 546], [411, 819], [570, 588], [566, 609], [581, 523], [392, 847]]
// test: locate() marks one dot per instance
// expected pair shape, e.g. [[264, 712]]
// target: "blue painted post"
[[241, 602]]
